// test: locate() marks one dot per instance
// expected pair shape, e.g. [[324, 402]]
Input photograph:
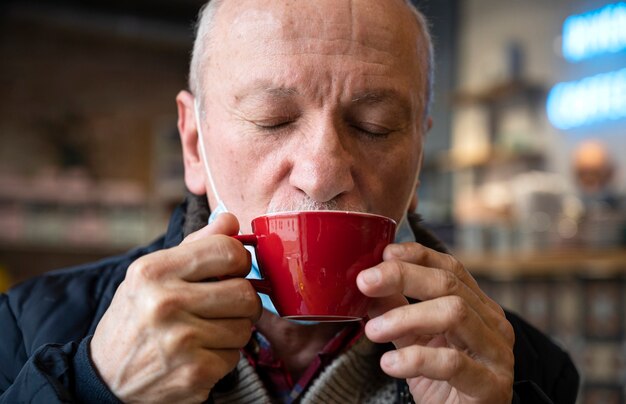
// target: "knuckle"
[[232, 251], [183, 340], [167, 305], [454, 363], [455, 264], [450, 282], [457, 309], [162, 306], [418, 250], [222, 245], [508, 332], [142, 270], [414, 252], [504, 327], [509, 359], [404, 249], [415, 249], [394, 272], [247, 297], [498, 308], [417, 358]]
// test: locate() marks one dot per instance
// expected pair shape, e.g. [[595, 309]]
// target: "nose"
[[323, 165]]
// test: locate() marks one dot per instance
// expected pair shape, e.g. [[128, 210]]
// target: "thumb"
[[225, 223]]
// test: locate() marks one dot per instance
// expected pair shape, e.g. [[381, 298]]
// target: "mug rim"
[[347, 212]]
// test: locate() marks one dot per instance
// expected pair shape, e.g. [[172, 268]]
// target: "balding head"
[[205, 38], [307, 103]]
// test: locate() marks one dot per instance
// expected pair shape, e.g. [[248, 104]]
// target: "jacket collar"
[[174, 233]]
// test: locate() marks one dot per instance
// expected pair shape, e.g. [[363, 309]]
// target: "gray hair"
[[203, 42]]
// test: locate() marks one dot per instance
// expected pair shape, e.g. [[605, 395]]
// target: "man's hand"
[[169, 334], [455, 345]]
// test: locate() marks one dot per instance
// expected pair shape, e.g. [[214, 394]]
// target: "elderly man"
[[294, 105]]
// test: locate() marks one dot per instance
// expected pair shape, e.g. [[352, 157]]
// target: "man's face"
[[313, 105]]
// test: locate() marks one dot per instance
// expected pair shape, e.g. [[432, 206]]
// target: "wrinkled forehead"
[[320, 26]]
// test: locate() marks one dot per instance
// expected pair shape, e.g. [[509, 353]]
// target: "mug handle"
[[260, 285]]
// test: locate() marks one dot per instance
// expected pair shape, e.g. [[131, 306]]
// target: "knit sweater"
[[353, 377]]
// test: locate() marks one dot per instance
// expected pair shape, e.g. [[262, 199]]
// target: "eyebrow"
[[385, 96], [261, 89], [264, 89], [377, 96]]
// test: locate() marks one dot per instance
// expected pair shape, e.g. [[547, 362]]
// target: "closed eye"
[[273, 126], [372, 130]]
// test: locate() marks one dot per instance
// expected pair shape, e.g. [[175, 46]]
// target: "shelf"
[[21, 261], [452, 161], [579, 262], [19, 247], [500, 93]]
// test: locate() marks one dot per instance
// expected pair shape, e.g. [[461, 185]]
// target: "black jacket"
[[46, 324]]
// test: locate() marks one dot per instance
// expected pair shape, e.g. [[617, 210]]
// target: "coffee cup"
[[309, 261]]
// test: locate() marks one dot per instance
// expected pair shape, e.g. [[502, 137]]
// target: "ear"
[[194, 168]]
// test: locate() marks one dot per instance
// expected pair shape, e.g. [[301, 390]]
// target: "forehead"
[[377, 32], [384, 25]]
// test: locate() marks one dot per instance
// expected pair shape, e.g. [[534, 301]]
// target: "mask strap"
[[203, 152]]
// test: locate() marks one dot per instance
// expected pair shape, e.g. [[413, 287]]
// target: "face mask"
[[404, 234], [221, 208]]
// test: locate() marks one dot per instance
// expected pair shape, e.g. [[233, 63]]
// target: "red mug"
[[309, 261]]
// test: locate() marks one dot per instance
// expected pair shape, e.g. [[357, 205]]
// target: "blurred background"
[[524, 175]]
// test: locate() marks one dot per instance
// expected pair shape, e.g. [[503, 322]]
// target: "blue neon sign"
[[595, 32], [593, 99]]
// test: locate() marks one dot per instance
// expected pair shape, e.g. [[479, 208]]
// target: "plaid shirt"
[[274, 373]]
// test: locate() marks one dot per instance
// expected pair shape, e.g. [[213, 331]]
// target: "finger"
[[225, 223], [206, 258], [379, 306], [446, 364], [424, 283], [230, 298], [449, 316], [414, 281], [227, 333], [418, 254], [421, 255]]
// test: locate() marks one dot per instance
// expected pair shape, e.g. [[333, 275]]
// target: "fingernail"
[[390, 359], [371, 276]]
